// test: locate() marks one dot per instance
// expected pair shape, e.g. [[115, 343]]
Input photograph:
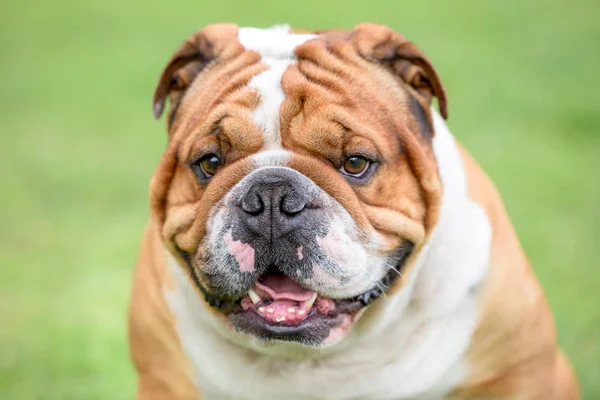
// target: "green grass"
[[78, 146]]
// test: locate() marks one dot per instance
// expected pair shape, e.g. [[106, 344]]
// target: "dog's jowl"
[[317, 233]]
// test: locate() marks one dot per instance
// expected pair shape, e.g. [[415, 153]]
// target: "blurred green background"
[[78, 145]]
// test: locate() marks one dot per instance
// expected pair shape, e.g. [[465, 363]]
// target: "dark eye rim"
[[196, 166], [365, 174]]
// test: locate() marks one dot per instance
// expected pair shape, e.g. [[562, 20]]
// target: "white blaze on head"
[[276, 46]]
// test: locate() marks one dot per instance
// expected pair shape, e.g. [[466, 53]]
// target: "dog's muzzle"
[[285, 261]]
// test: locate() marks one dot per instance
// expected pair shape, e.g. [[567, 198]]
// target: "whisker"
[[378, 283], [382, 291], [390, 266]]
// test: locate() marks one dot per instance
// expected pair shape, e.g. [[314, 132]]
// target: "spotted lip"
[[313, 328]]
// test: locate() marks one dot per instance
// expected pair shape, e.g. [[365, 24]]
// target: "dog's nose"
[[273, 207]]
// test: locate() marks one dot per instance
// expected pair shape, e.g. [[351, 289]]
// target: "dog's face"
[[299, 180]]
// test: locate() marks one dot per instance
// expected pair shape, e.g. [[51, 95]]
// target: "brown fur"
[[164, 371]]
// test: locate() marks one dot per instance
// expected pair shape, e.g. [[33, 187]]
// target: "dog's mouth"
[[279, 299], [278, 307]]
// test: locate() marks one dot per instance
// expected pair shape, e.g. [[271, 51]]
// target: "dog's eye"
[[355, 166], [208, 165]]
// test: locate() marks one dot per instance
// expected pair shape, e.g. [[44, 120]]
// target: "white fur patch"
[[276, 42], [408, 346], [276, 47], [271, 158]]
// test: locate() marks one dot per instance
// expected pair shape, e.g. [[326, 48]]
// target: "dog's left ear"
[[198, 51], [404, 59]]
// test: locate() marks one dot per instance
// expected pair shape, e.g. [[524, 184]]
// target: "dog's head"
[[299, 180]]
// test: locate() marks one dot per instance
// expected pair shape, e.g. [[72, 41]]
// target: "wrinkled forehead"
[[279, 75]]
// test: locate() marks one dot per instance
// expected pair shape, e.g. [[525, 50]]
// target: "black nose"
[[273, 207]]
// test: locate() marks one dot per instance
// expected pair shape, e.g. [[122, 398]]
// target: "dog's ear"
[[381, 44], [198, 51]]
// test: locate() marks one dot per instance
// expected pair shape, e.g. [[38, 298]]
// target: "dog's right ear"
[[198, 51]]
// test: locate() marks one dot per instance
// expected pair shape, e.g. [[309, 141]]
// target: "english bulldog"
[[316, 232]]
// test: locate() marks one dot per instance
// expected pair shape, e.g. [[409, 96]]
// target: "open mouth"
[[277, 307], [279, 299]]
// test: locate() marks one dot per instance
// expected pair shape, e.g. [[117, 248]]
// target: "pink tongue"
[[280, 287]]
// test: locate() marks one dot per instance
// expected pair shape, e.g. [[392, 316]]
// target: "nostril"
[[292, 205], [252, 203]]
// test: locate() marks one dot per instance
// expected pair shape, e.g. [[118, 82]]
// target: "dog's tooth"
[[279, 318], [270, 310], [292, 310], [301, 312], [311, 301], [253, 296], [261, 310]]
